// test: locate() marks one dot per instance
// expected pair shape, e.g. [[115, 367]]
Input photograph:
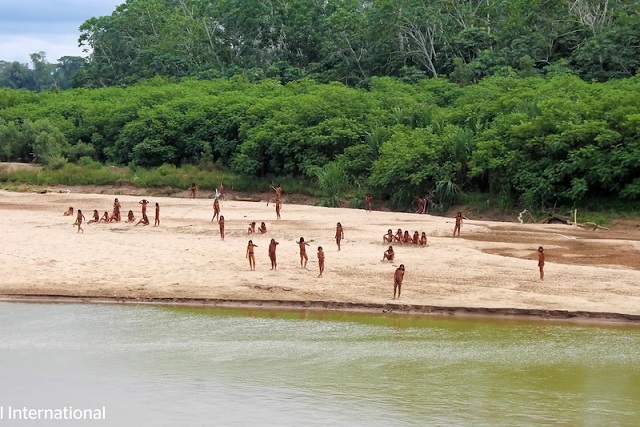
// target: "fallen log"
[[247, 199]]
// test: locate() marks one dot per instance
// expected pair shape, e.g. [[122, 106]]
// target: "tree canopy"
[[535, 140], [350, 41]]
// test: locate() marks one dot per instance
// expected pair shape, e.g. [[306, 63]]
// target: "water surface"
[[183, 366]]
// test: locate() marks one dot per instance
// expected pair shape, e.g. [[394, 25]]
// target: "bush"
[[56, 162]]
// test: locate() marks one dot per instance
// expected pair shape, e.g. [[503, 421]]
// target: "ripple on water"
[[282, 368]]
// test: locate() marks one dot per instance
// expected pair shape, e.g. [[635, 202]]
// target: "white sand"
[[184, 257]]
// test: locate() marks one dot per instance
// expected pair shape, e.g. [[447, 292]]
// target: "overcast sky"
[[28, 26]]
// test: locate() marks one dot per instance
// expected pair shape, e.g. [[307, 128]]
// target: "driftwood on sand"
[[247, 199], [557, 219]]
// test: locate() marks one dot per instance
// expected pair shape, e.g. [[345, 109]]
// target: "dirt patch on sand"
[[568, 245]]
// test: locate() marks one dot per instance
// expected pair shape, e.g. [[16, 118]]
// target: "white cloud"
[[28, 26], [18, 48]]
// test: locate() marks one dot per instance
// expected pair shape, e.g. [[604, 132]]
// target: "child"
[[157, 223], [367, 202], [423, 239], [388, 238], [252, 228], [278, 207], [541, 261], [221, 191], [397, 280], [116, 211], [398, 236], [193, 190], [68, 212], [263, 228], [303, 252], [216, 210], [251, 256], [406, 238], [130, 216], [339, 234], [321, 260], [105, 217], [272, 254], [416, 238], [79, 220], [221, 224], [458, 224], [388, 254], [96, 217]]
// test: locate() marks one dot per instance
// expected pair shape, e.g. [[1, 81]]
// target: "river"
[[164, 366]]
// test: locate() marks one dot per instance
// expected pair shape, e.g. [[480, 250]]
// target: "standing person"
[[79, 219], [320, 260], [193, 190], [303, 252], [278, 191], [157, 223], [221, 191], [272, 254], [339, 234], [251, 255], [221, 224], [96, 217], [278, 207], [458, 225], [144, 220], [397, 280], [367, 202], [116, 210], [420, 205], [216, 210], [541, 261]]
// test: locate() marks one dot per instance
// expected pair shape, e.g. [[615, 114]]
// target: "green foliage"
[[448, 194], [347, 41], [540, 141], [56, 161], [332, 182], [358, 197]]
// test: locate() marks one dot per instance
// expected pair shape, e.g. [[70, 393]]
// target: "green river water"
[[165, 366]]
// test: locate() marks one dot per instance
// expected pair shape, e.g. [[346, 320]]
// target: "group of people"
[[405, 237], [115, 215], [302, 245], [400, 236], [252, 228]]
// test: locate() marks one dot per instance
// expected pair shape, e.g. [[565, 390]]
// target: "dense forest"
[[349, 41], [535, 140], [532, 101]]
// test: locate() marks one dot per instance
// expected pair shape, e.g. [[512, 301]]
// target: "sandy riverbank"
[[493, 265]]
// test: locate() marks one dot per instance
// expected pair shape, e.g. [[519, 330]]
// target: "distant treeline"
[[534, 141], [350, 41], [41, 74]]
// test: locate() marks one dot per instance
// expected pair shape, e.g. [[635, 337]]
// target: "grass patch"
[[165, 177]]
